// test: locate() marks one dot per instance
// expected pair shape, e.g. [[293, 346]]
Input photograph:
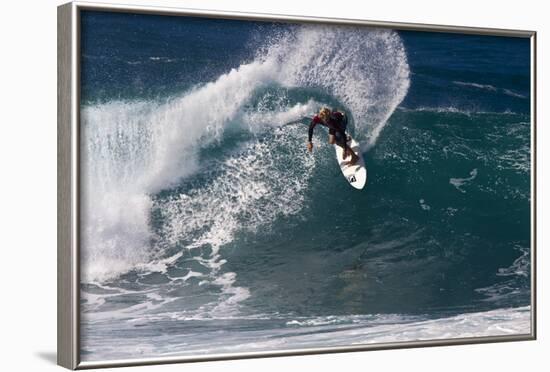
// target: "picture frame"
[[70, 182]]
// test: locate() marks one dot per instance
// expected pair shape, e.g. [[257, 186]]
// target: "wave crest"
[[133, 150]]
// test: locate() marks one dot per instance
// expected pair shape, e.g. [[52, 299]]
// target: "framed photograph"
[[235, 185]]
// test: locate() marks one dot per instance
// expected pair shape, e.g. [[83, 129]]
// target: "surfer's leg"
[[354, 158], [346, 149], [341, 141], [348, 152]]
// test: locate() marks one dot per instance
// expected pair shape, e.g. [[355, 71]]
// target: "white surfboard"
[[355, 174]]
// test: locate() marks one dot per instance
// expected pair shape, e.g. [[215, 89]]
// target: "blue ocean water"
[[208, 227]]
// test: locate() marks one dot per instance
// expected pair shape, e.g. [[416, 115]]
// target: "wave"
[[511, 93], [133, 150], [476, 85], [490, 88], [163, 59], [455, 110]]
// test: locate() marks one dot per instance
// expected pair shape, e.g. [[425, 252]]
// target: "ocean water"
[[207, 228]]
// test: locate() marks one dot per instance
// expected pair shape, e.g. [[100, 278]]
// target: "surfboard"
[[356, 174]]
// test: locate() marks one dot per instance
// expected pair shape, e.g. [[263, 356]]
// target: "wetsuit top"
[[335, 123]]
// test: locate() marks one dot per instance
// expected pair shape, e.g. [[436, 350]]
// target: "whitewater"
[[136, 149]]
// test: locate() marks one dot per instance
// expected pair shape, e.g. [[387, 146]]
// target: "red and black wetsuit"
[[336, 123]]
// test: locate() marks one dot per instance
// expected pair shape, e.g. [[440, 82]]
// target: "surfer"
[[336, 122]]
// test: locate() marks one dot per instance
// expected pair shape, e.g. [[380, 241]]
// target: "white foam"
[[424, 205], [303, 333], [254, 187], [490, 88], [450, 109], [459, 182], [162, 59], [455, 110], [520, 266], [476, 85], [520, 269], [518, 159], [511, 93]]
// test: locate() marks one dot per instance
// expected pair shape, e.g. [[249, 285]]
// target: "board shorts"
[[338, 135]]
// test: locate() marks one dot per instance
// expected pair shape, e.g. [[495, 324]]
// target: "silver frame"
[[68, 181]]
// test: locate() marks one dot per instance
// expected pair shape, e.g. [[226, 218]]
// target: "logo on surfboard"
[[352, 179]]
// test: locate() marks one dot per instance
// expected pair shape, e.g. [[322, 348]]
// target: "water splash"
[[133, 150]]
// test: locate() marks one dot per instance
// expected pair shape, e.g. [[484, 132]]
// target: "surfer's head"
[[324, 114]]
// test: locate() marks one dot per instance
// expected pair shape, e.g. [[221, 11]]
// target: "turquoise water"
[[208, 227]]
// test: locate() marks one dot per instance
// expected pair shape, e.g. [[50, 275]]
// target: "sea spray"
[[136, 149], [364, 69]]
